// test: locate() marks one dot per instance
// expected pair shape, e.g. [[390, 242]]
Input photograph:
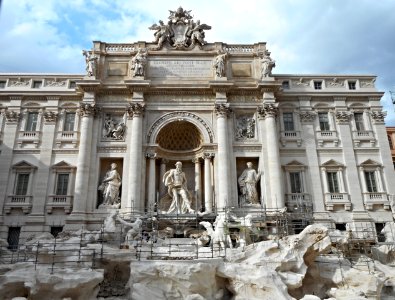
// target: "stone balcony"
[[327, 136], [338, 199], [363, 136], [28, 137], [23, 202], [59, 201], [376, 199], [67, 139], [290, 136]]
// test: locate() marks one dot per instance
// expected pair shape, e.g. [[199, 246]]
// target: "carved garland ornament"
[[181, 114]]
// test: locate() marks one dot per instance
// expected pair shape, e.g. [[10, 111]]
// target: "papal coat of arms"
[[180, 32]]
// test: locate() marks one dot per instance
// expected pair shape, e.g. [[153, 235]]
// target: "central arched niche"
[[179, 136]]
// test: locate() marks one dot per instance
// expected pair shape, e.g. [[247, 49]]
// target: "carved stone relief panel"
[[245, 127], [113, 127]]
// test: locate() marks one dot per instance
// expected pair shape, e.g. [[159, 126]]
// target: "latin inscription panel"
[[180, 68]]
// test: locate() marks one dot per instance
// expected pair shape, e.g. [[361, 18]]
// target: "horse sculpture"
[[218, 235]]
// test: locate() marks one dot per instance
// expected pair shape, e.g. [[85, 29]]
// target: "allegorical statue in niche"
[[110, 186], [219, 65], [176, 182], [90, 60], [267, 64], [247, 183], [138, 63]]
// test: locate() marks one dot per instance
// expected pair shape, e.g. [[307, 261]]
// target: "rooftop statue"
[[91, 61], [138, 63], [267, 64], [180, 32]]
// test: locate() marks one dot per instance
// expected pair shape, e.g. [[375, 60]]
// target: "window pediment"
[[332, 164], [24, 165]]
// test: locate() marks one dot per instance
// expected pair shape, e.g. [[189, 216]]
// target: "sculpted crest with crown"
[[180, 32]]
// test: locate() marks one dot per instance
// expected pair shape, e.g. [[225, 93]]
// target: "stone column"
[[324, 180], [87, 112], [198, 180], [276, 200], [222, 111], [10, 129], [162, 171], [135, 199], [151, 181], [380, 186], [41, 183], [208, 188], [363, 181], [343, 119]]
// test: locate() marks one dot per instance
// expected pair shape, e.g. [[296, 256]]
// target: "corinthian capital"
[[343, 117], [11, 116], [135, 109], [267, 110], [50, 116], [222, 110], [88, 109]]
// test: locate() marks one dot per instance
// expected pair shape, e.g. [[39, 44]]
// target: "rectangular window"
[[285, 84], [358, 117], [371, 182], [318, 85], [13, 238], [296, 182], [324, 121], [288, 122], [31, 122], [351, 85], [2, 84], [69, 120], [72, 85], [22, 182], [62, 183], [333, 183], [37, 84]]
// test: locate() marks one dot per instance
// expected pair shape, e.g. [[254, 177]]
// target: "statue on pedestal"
[[267, 64], [219, 64], [247, 182], [138, 63], [90, 60], [176, 182], [110, 186]]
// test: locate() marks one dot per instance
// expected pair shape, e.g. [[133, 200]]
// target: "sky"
[[304, 36]]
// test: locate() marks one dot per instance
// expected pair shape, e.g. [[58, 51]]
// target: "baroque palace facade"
[[316, 143]]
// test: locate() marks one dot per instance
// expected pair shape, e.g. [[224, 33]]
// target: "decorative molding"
[[55, 83], [336, 83], [367, 83], [180, 115], [112, 149], [151, 155], [19, 82]]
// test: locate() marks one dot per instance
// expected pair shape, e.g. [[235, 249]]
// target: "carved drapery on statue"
[[181, 199], [180, 32]]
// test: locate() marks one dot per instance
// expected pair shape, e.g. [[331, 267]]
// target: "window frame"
[[326, 123], [318, 84], [31, 124], [288, 122]]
